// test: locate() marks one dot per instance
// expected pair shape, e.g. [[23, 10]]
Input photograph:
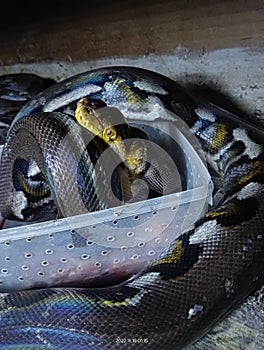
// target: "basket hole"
[[110, 238], [151, 252], [85, 256], [134, 257]]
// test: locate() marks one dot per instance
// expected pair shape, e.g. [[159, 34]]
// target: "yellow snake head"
[[110, 125]]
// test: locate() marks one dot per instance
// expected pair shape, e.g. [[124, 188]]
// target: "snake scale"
[[206, 272]]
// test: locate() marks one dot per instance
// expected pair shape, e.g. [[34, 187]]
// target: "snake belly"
[[204, 274]]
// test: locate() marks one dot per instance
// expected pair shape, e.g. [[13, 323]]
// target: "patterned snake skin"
[[206, 272], [15, 91]]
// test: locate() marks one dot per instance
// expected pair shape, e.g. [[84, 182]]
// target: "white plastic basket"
[[111, 244]]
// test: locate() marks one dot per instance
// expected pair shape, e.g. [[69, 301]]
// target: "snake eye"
[[110, 134]]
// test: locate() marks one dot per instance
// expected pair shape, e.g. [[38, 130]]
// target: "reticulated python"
[[206, 272]]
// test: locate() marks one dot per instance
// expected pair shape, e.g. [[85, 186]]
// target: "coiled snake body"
[[207, 270]]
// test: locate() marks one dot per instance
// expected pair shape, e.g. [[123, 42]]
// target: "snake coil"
[[206, 272]]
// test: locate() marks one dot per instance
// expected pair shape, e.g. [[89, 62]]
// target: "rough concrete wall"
[[232, 77], [216, 45]]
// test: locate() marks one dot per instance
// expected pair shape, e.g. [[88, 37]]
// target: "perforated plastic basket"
[[96, 248]]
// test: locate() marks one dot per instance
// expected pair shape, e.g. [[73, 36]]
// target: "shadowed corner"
[[214, 95], [2, 222]]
